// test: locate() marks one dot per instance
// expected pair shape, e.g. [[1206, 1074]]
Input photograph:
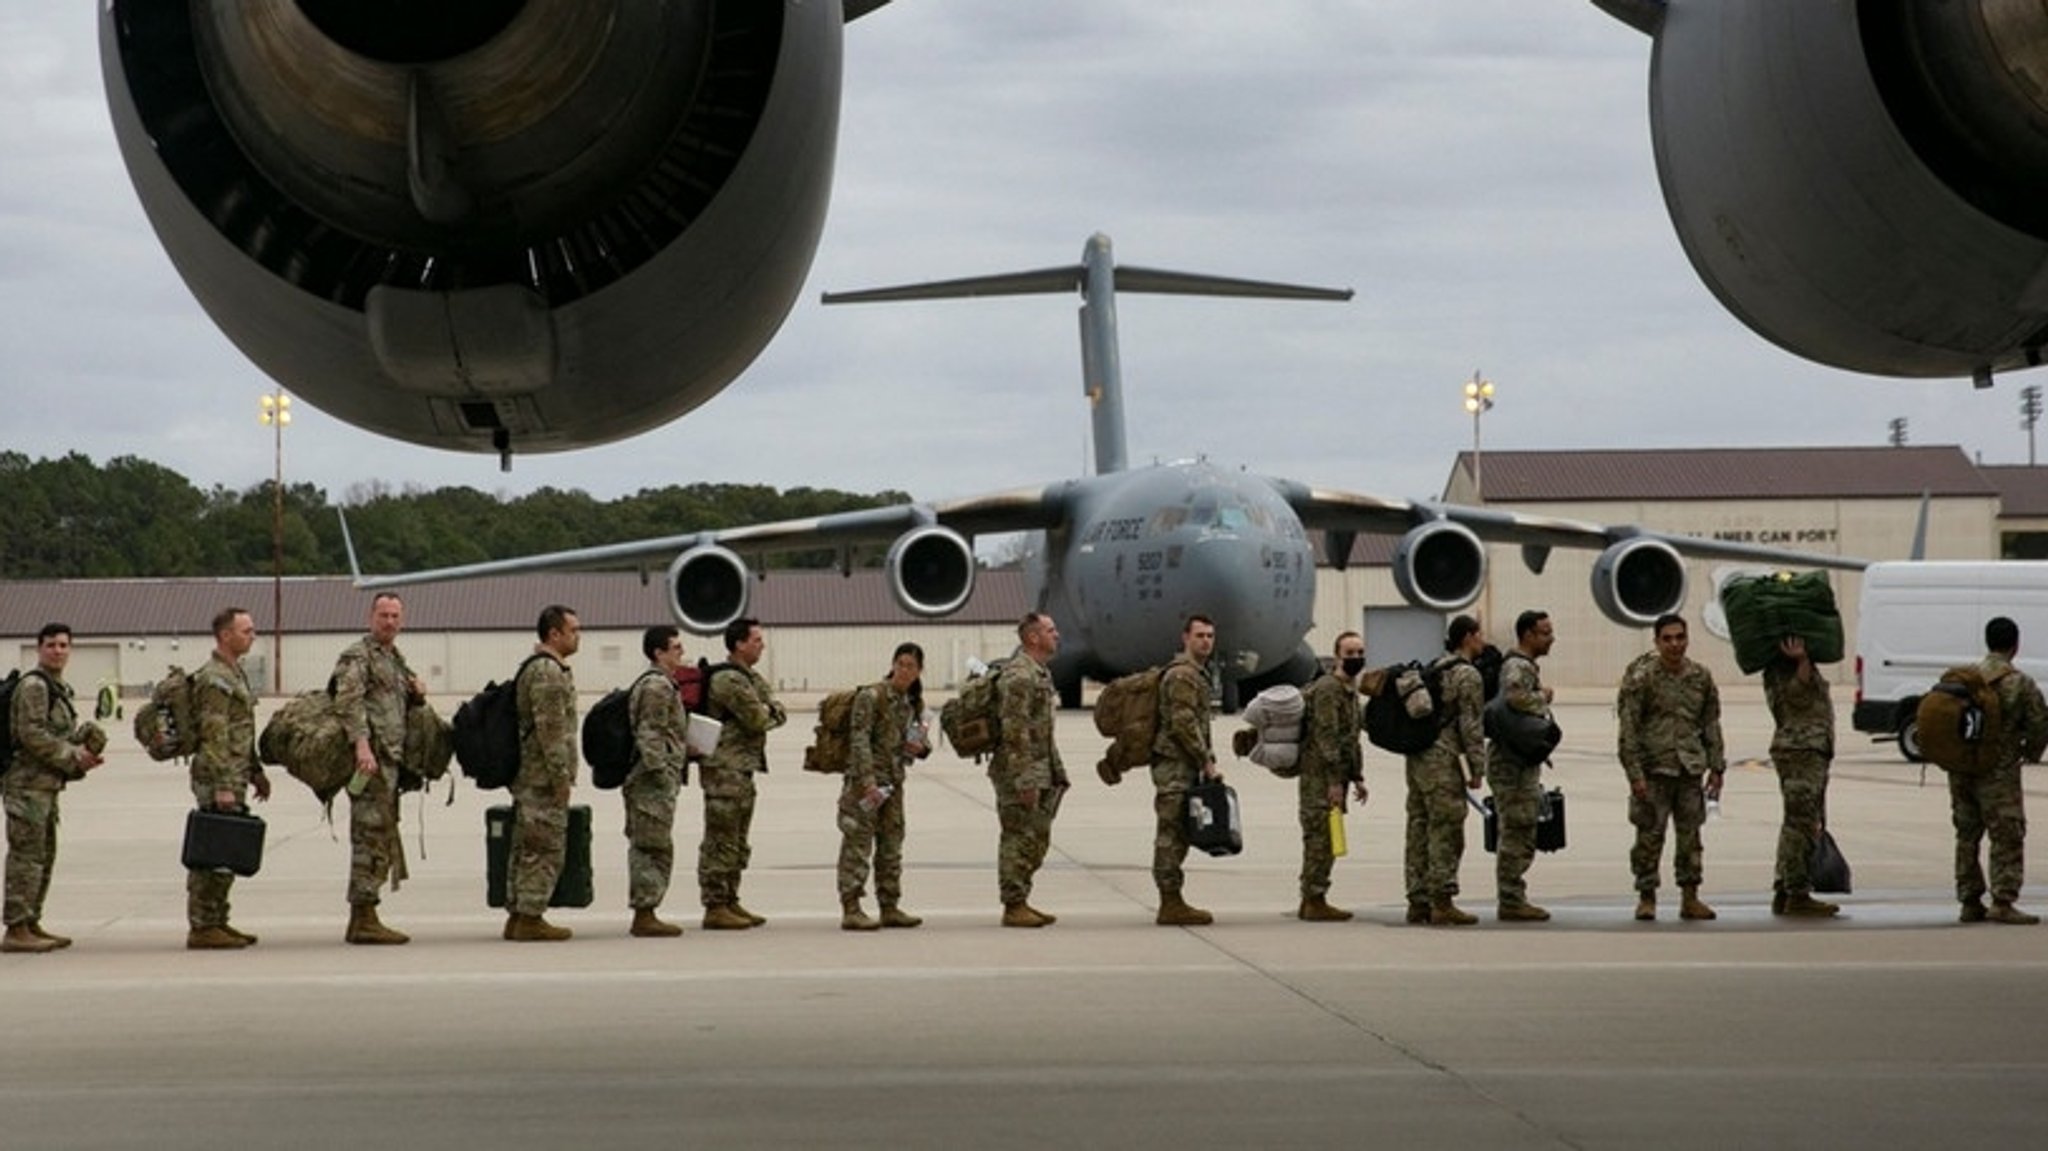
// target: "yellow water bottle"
[[1338, 846]]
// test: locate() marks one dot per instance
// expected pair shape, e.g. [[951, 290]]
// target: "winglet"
[[1645, 16], [1920, 528], [349, 545]]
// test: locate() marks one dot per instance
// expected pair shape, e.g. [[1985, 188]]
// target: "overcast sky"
[[1480, 171]]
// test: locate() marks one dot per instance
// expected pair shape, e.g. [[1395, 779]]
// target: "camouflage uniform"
[[1024, 759], [1180, 753], [47, 742], [540, 791], [881, 719], [1436, 786], [224, 761], [742, 701], [1330, 757], [651, 786], [1517, 787], [371, 686], [1993, 802], [1801, 745], [1669, 736]]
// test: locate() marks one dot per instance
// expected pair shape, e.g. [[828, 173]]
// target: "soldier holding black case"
[[224, 770]]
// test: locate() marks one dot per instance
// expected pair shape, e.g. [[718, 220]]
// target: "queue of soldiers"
[[1669, 746]]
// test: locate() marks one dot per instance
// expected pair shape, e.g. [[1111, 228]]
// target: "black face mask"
[[1354, 664]]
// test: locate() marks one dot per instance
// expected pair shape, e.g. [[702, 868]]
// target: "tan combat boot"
[[1021, 915], [752, 919], [1521, 913], [894, 916], [1316, 909], [1973, 912], [1176, 912], [1646, 906], [724, 918], [1044, 917], [1418, 912], [1802, 904], [231, 929], [2002, 911], [213, 939], [63, 941], [1690, 907], [852, 918], [648, 925], [363, 927], [1444, 913], [534, 929], [20, 938]]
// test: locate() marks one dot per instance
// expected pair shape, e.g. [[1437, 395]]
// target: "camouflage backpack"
[[166, 726], [1958, 721], [307, 739], [1127, 712], [832, 740], [970, 720]]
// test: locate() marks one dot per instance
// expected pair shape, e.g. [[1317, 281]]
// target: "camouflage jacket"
[[2023, 715], [1025, 755], [371, 683], [875, 737], [47, 739], [1464, 731], [1804, 716], [1330, 726], [1522, 685], [1670, 722], [745, 704], [1183, 715], [226, 708], [547, 724], [658, 718]]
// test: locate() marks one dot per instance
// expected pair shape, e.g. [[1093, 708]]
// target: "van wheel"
[[1909, 739]]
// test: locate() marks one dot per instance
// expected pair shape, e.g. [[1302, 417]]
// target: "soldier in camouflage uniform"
[[1517, 787], [1802, 743], [1437, 785], [649, 792], [1670, 746], [1993, 802], [744, 702], [224, 769], [372, 688], [51, 748], [1181, 754], [885, 733], [1330, 758], [1025, 769], [546, 693]]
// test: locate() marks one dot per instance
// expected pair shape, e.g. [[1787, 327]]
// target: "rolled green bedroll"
[[1762, 610]]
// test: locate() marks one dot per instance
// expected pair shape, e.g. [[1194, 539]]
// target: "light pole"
[[2030, 414], [275, 412], [1478, 398]]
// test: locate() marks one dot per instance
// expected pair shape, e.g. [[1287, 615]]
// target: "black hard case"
[[1549, 823], [1211, 819], [223, 841], [572, 886]]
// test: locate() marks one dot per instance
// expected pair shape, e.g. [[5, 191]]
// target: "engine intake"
[[707, 588], [1440, 566], [1636, 581], [931, 571]]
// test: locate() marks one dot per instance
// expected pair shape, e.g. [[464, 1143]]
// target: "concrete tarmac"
[[1892, 1026]]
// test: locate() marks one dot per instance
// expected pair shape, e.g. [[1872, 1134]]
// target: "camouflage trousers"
[[1518, 800], [376, 853], [1026, 835], [206, 892], [1436, 828], [1803, 785], [1677, 801], [31, 852], [650, 798], [722, 856], [1978, 804], [1312, 799], [540, 844], [1170, 834], [876, 834]]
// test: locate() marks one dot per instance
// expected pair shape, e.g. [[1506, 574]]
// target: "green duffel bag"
[[1762, 610]]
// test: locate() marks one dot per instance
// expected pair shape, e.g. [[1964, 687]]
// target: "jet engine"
[[707, 588], [1863, 183], [931, 571], [1440, 566], [1636, 581], [496, 225]]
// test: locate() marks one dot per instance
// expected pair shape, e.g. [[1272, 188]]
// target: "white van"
[[1918, 619]]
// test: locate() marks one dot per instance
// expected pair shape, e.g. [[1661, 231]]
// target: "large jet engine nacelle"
[[931, 571], [504, 225], [1636, 581], [1440, 566], [708, 588], [1863, 183]]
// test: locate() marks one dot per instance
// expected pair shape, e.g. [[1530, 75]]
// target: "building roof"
[[1727, 474], [2022, 490], [601, 599]]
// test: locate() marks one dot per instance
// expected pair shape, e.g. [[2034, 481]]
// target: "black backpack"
[[7, 687], [487, 731], [1397, 718], [608, 744]]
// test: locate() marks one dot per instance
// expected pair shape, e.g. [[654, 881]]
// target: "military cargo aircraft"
[[1864, 184], [1119, 558], [485, 225]]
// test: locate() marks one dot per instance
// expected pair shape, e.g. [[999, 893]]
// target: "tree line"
[[70, 518]]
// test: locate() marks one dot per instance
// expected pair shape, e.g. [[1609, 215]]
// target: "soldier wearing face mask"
[[1330, 758]]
